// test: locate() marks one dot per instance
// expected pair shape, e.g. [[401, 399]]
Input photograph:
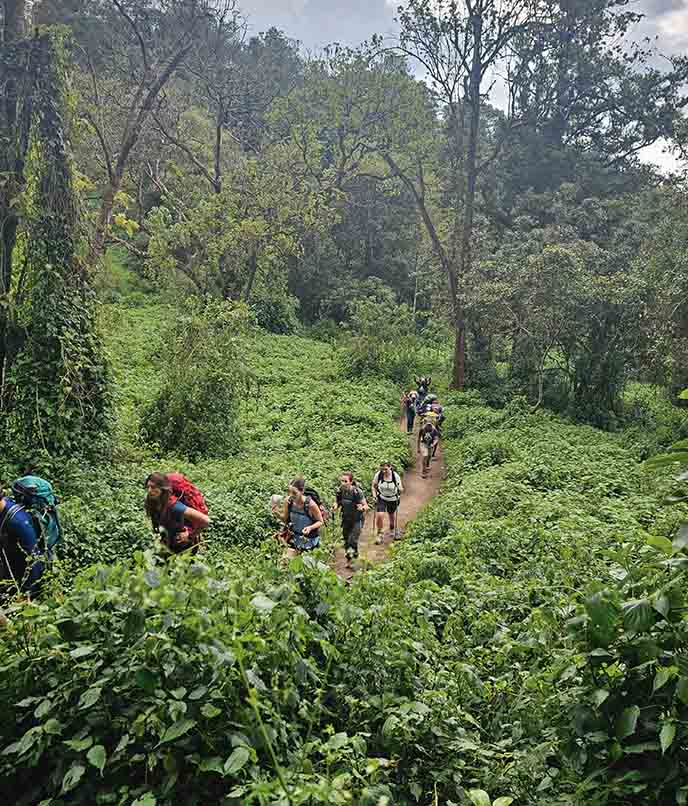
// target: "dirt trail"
[[417, 493]]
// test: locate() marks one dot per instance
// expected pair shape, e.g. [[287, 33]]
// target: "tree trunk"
[[217, 187], [474, 100], [252, 269], [12, 154]]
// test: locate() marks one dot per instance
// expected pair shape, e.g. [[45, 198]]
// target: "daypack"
[[428, 437], [309, 492], [185, 491], [37, 497], [396, 478]]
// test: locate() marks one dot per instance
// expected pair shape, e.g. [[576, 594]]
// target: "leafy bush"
[[165, 682], [382, 341], [194, 412]]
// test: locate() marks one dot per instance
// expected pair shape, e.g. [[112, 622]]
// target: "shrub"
[[194, 412]]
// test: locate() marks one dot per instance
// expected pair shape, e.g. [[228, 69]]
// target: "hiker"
[[428, 439], [353, 505], [178, 524], [29, 532], [387, 490], [303, 516], [408, 402]]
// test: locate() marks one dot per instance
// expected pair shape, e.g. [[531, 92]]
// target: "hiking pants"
[[352, 533], [410, 418]]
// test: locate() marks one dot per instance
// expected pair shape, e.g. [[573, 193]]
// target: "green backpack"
[[38, 498]]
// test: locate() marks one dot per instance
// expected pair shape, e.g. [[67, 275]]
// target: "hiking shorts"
[[387, 506]]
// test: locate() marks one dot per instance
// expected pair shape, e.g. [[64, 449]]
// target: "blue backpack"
[[37, 497]]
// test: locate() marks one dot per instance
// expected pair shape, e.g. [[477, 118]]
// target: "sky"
[[316, 23]]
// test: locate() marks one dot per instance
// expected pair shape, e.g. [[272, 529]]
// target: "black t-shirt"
[[348, 501]]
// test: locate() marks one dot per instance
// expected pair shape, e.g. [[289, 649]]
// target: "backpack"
[[309, 492], [396, 478], [37, 497], [428, 437], [185, 491]]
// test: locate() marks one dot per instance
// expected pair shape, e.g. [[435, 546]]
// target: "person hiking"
[[387, 489], [303, 517], [29, 533], [178, 525], [353, 505], [428, 439], [408, 402]]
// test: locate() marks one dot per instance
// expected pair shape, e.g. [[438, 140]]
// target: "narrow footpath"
[[417, 493]]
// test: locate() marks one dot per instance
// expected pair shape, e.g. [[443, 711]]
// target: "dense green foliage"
[[298, 416], [222, 257], [526, 640]]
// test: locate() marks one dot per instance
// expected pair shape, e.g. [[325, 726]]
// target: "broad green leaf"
[[97, 757], [79, 744], [627, 721], [662, 604], [599, 696], [43, 708], [662, 676], [72, 777], [666, 735], [82, 651], [337, 741], [681, 540], [682, 690], [236, 761], [479, 797], [210, 711], [661, 543], [213, 764], [90, 697], [53, 727], [179, 728], [638, 615], [148, 799], [503, 802], [262, 602], [198, 693], [683, 395]]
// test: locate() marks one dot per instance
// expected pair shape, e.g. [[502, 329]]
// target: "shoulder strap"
[[9, 514]]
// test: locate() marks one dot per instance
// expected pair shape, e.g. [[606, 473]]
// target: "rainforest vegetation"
[[226, 255]]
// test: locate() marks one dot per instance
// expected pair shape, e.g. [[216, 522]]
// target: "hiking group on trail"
[[30, 528]]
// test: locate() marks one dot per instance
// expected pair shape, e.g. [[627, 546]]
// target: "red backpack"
[[186, 492]]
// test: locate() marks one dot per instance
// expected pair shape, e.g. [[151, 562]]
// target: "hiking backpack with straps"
[[309, 492], [185, 491], [35, 496], [396, 480]]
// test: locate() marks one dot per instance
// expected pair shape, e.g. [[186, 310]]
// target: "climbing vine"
[[56, 390]]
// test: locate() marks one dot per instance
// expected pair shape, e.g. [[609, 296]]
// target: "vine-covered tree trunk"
[[11, 165], [56, 386]]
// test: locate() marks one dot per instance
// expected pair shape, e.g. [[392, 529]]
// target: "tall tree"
[[458, 44]]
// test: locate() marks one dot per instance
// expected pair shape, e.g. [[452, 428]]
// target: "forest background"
[[223, 254]]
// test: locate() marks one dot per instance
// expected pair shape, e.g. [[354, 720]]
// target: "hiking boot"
[[379, 539]]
